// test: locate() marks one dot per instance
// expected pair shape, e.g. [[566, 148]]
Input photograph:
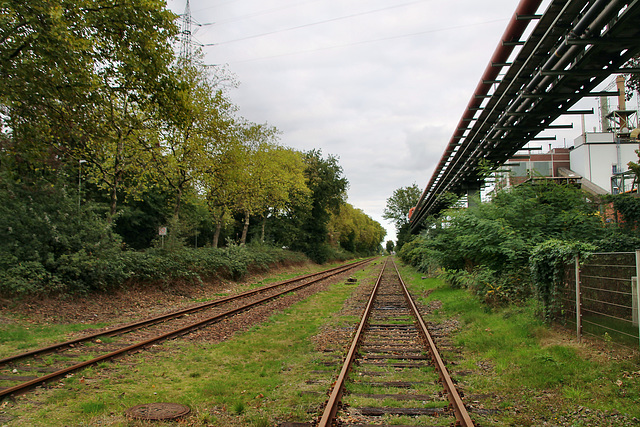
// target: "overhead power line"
[[254, 14], [370, 41], [311, 24]]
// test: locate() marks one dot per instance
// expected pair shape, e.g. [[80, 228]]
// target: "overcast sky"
[[381, 84]]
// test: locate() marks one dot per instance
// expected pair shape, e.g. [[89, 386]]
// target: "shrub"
[[493, 288], [547, 266], [83, 272]]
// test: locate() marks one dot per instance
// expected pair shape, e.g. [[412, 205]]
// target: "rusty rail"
[[27, 385], [455, 402], [462, 417], [334, 399], [168, 316]]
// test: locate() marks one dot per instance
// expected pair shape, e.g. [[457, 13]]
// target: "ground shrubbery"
[[493, 248], [81, 272], [51, 245]]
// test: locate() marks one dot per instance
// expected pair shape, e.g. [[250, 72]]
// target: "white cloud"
[[382, 90]]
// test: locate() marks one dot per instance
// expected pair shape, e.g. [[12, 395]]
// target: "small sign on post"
[[162, 231]]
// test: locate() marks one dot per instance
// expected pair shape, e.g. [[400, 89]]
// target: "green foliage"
[[486, 248], [493, 288], [633, 80], [399, 204], [62, 60], [106, 136], [355, 231], [390, 246], [81, 272], [47, 243], [138, 221], [617, 242], [547, 263], [628, 205], [328, 189], [49, 248]]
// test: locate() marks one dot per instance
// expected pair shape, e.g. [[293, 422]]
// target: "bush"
[[83, 272], [618, 242], [547, 266], [28, 277], [493, 288]]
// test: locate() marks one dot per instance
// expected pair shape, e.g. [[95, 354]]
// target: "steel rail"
[[168, 316], [331, 408], [462, 416], [27, 385]]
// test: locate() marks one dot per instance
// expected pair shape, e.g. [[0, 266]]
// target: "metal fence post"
[[636, 306], [578, 298]]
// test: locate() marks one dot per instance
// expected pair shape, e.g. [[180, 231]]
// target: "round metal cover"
[[158, 411]]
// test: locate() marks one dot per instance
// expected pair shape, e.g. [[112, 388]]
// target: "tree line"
[[106, 135]]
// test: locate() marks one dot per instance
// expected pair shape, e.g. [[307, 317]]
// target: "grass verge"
[[258, 378], [516, 370]]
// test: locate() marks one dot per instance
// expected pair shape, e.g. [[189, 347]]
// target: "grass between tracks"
[[533, 374], [19, 337], [253, 379]]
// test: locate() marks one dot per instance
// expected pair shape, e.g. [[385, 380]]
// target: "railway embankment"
[[278, 366]]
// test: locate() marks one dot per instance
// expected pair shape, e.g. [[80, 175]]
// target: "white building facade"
[[598, 156]]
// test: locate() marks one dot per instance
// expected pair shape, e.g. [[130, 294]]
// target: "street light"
[[80, 162]]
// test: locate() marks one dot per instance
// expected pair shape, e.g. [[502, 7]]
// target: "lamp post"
[[80, 162]]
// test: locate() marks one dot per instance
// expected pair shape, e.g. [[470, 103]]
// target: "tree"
[[355, 231], [633, 80], [253, 179], [397, 210], [328, 192], [194, 132], [390, 246], [285, 182], [220, 188], [60, 60], [500, 235]]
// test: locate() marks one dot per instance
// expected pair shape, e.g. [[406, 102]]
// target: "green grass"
[[261, 377], [93, 407], [531, 364], [17, 337], [255, 378]]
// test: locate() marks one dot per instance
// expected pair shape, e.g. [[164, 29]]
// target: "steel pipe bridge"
[[573, 47]]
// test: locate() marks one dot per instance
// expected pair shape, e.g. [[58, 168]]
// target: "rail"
[[59, 373]]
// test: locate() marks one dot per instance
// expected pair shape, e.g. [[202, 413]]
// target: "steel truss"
[[574, 46]]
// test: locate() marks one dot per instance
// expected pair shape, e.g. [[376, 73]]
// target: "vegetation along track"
[[389, 368], [25, 371]]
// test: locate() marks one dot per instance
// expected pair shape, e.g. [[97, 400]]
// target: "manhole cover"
[[158, 411]]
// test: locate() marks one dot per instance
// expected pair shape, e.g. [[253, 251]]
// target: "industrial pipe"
[[513, 32]]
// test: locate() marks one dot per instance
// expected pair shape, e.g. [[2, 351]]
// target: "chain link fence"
[[600, 297]]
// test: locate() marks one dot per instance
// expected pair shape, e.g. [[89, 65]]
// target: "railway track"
[[25, 371], [393, 369]]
